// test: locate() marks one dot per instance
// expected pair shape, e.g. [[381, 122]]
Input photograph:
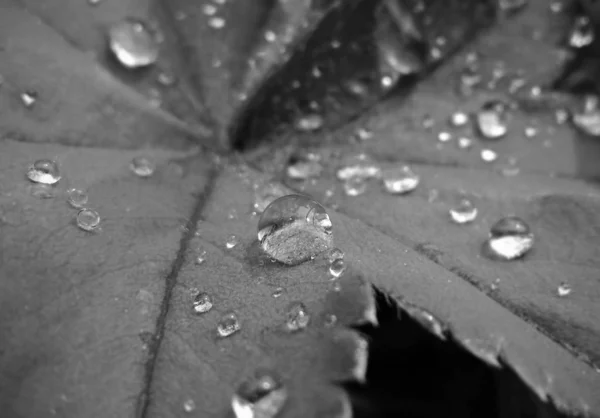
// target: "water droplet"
[[216, 22], [488, 155], [359, 165], [363, 134], [44, 171], [209, 9], [310, 122], [330, 320], [202, 303], [304, 167], [355, 186], [142, 167], [492, 120], [231, 242], [530, 131], [277, 292], [337, 268], [294, 228], [297, 317], [564, 289], [94, 2], [228, 324], [270, 36], [88, 219], [511, 6], [335, 254], [356, 87], [132, 44], [77, 198], [459, 119], [464, 142], [201, 258], [189, 405], [29, 98], [444, 136], [509, 239], [400, 180], [261, 396], [464, 212], [582, 33], [588, 122]]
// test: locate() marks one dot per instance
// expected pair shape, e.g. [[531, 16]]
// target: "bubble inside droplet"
[[510, 238], [132, 44], [202, 303], [44, 171], [88, 219], [142, 166], [77, 198], [261, 396], [400, 180], [228, 325], [337, 268], [492, 119], [588, 122], [464, 212], [297, 317], [294, 228]]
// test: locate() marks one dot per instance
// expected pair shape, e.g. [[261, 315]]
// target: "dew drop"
[[509, 238], [464, 142], [464, 212], [304, 167], [231, 242], [29, 98], [335, 254], [530, 131], [492, 120], [88, 219], [77, 198], [216, 22], [201, 258], [142, 167], [277, 292], [564, 289], [337, 268], [132, 44], [228, 325], [444, 136], [355, 186], [459, 119], [582, 33], [261, 396], [297, 317], [293, 229], [400, 180], [44, 171], [488, 155], [202, 303], [309, 123], [189, 405]]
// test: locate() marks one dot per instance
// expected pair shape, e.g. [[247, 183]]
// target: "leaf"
[[101, 323]]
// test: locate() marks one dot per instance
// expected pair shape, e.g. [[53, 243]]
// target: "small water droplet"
[[29, 98], [363, 134], [294, 229], [297, 317], [464, 142], [561, 116], [44, 171], [231, 242], [189, 405], [202, 303], [355, 186], [228, 325], [469, 79], [304, 167], [277, 292], [356, 88], [336, 286], [261, 396], [488, 155], [464, 212], [310, 122], [88, 219], [582, 33], [510, 238], [459, 119], [337, 268], [132, 44], [492, 119], [564, 289], [232, 214], [530, 131], [216, 22], [142, 167], [400, 180], [360, 165], [270, 36], [77, 198], [444, 136], [201, 258], [335, 254]]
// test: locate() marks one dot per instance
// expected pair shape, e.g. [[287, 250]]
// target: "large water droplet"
[[400, 180], [337, 268], [261, 396], [44, 171], [77, 198], [297, 317], [202, 303], [294, 228], [88, 219], [582, 33], [510, 238], [464, 212], [564, 289], [142, 167], [228, 325], [492, 120], [132, 44]]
